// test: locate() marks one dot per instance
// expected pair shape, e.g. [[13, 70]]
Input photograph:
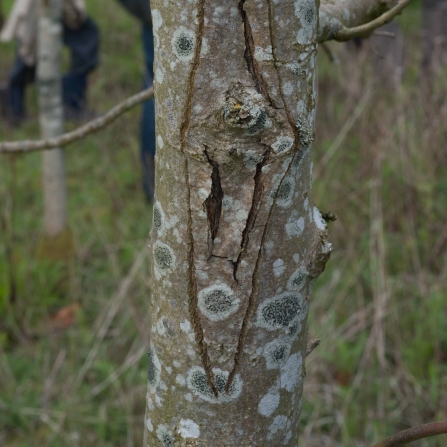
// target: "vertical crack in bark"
[[194, 66], [281, 92], [213, 204], [257, 197], [249, 56], [192, 284], [253, 295], [252, 214], [193, 296]]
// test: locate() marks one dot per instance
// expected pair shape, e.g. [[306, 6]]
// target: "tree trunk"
[[434, 22], [237, 242], [57, 239]]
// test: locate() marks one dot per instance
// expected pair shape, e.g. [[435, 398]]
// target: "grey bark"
[[51, 115], [237, 242], [434, 22]]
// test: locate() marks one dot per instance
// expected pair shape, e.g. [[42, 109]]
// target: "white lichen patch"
[[296, 68], [305, 130], [180, 380], [280, 311], [263, 55], [217, 302], [183, 43], [188, 429], [298, 279], [287, 88], [153, 370], [268, 404], [156, 24], [319, 221], [277, 352], [282, 144], [149, 425], [164, 258], [306, 11], [186, 327], [296, 258], [278, 267], [279, 424], [165, 435], [294, 226], [291, 372], [197, 382]]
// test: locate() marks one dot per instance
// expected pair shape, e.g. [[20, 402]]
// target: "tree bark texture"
[[51, 115], [237, 242]]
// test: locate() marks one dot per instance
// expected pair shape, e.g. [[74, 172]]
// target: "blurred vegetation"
[[73, 336]]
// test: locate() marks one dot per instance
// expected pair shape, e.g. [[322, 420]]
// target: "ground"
[[73, 337]]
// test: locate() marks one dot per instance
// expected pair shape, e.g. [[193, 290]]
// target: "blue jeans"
[[84, 47], [148, 117]]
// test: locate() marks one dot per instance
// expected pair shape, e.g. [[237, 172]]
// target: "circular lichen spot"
[[164, 257], [298, 279], [278, 312], [259, 123], [218, 302], [165, 436], [306, 11], [284, 194], [183, 43], [158, 217], [151, 376], [282, 144], [153, 370], [277, 352], [197, 382]]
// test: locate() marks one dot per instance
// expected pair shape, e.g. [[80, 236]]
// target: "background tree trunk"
[[237, 242], [57, 240], [434, 18]]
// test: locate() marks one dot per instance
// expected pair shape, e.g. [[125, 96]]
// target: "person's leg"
[[148, 118], [14, 95], [84, 46]]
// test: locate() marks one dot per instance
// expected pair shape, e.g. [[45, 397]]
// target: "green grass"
[[371, 376]]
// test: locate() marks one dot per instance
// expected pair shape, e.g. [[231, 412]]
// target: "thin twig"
[[80, 132], [365, 30], [384, 34], [413, 434], [312, 345]]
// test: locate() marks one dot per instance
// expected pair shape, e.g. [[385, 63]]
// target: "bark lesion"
[[253, 213], [213, 204], [192, 283]]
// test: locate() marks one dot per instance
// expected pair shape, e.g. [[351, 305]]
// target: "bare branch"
[[312, 345], [366, 29], [80, 132], [413, 434], [345, 19]]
